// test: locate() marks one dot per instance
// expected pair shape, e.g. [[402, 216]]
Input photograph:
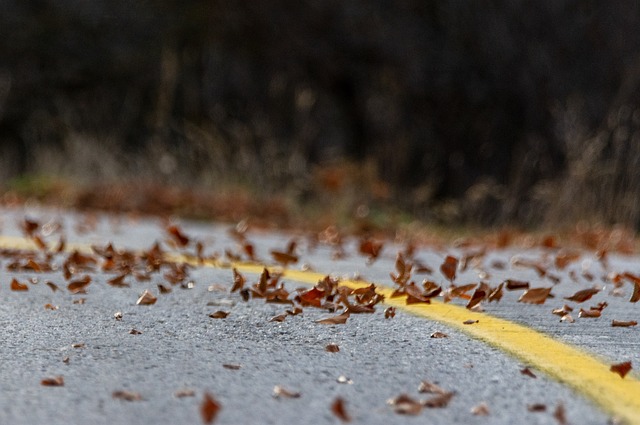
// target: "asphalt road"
[[180, 347]]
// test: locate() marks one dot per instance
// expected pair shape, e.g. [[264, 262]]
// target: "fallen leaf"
[[429, 387], [177, 235], [50, 307], [52, 285], [528, 372], [567, 318], [448, 268], [438, 334], [126, 395], [335, 320], [231, 366], [439, 401], [80, 301], [389, 312], [636, 293], [147, 298], [163, 289], [135, 332], [294, 312], [535, 296], [17, 286], [563, 259], [621, 368], [591, 313], [623, 324], [219, 314], [332, 348], [279, 318], [238, 281], [514, 285], [405, 405], [284, 258], [184, 393], [370, 248], [118, 281], [470, 322], [481, 292], [339, 410], [209, 408], [480, 410], [562, 311], [78, 345], [117, 315], [560, 415], [79, 286], [281, 392], [56, 381], [537, 407], [583, 295], [496, 293]]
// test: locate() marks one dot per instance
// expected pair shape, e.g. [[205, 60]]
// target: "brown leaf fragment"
[[284, 258], [52, 285], [147, 298], [49, 306], [537, 407], [583, 295], [370, 248], [78, 345], [339, 410], [389, 312], [79, 286], [496, 293], [514, 285], [335, 320], [439, 401], [118, 281], [560, 415], [635, 296], [439, 334], [281, 392], [591, 313], [526, 371], [231, 366], [65, 360], [163, 289], [448, 268], [17, 286], [564, 258], [177, 235], [186, 392], [621, 368], [535, 296], [470, 322], [562, 311], [480, 410], [135, 332], [279, 318], [56, 381], [332, 348], [294, 312], [567, 318], [80, 301], [429, 387], [126, 395], [405, 405], [238, 281], [481, 292], [623, 324], [219, 314]]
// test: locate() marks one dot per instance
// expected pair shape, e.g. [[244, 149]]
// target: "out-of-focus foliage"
[[483, 111]]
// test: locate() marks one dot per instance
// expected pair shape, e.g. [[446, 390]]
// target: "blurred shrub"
[[485, 112]]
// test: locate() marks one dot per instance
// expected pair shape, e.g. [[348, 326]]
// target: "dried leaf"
[[135, 332], [621, 368], [231, 366], [470, 322], [405, 405], [496, 293], [480, 410], [209, 409], [78, 345], [535, 296], [439, 401], [567, 318], [184, 393], [284, 258], [448, 268], [177, 235], [429, 387], [526, 371], [49, 306], [591, 313], [17, 286], [281, 392], [563, 259], [117, 315], [147, 298], [389, 312], [635, 296], [623, 324], [126, 395], [118, 281], [56, 381], [163, 289], [294, 312], [438, 334], [339, 410], [562, 311], [279, 318], [583, 295], [79, 286], [52, 285], [219, 314], [514, 285], [370, 248], [332, 348], [537, 407], [560, 415], [335, 320], [238, 281], [481, 292]]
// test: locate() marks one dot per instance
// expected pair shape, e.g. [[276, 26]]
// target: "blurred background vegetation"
[[484, 113]]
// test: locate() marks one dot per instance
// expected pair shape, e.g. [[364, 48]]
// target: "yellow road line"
[[584, 372]]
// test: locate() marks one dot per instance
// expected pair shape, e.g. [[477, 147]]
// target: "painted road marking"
[[571, 366]]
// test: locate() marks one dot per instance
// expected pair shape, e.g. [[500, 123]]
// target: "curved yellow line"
[[569, 365]]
